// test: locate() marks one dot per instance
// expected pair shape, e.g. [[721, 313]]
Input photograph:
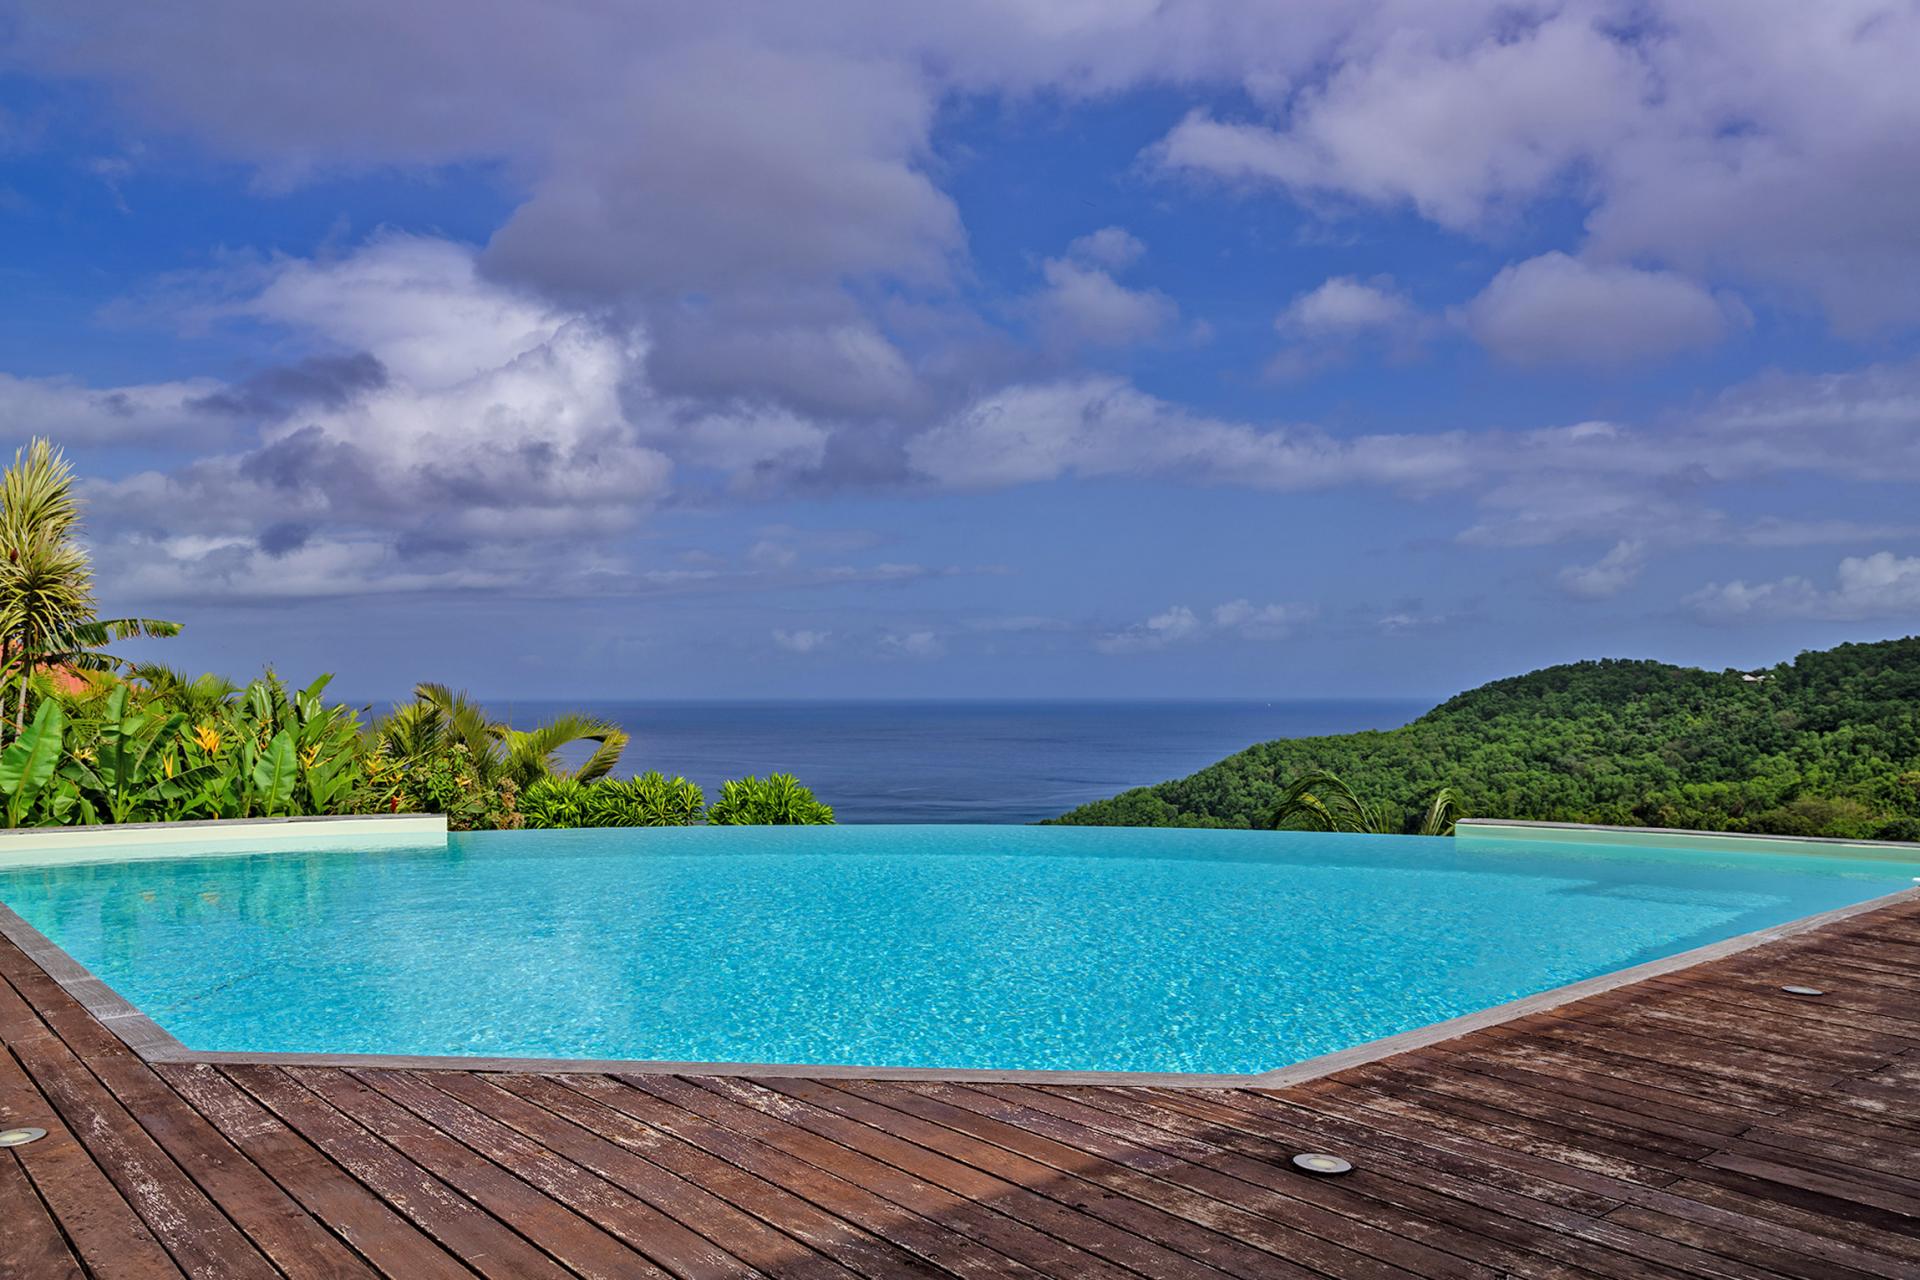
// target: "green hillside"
[[1828, 744]]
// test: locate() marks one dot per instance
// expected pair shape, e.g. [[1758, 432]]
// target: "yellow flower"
[[207, 737]]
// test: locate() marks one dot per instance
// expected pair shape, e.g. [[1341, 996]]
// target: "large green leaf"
[[28, 764], [275, 771]]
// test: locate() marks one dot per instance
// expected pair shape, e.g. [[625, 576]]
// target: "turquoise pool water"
[[1002, 947]]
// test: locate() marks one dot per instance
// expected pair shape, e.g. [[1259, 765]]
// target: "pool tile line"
[[152, 1043]]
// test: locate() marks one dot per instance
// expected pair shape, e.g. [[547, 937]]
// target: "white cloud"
[[1162, 629], [163, 413], [1599, 481], [1267, 620], [1103, 426], [1881, 585], [802, 641], [1084, 304], [1609, 575], [1180, 624], [1554, 309], [1344, 306], [1769, 141], [1324, 326], [1458, 128], [913, 644], [1114, 248]]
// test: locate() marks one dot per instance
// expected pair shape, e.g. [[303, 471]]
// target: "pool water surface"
[[1065, 948]]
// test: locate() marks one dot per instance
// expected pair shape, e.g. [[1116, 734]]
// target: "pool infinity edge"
[[152, 1043]]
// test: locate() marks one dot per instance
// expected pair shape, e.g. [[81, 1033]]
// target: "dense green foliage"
[[156, 746], [776, 800], [1828, 744], [110, 741], [117, 751], [650, 800]]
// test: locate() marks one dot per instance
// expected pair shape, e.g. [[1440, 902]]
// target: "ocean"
[[957, 761]]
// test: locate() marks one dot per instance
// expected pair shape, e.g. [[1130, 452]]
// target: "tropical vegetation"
[[110, 741], [1825, 745]]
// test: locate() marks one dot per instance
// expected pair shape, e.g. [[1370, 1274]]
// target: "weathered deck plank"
[[1697, 1124]]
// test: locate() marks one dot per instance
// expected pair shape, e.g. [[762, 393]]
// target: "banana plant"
[[275, 773], [134, 771], [31, 761]]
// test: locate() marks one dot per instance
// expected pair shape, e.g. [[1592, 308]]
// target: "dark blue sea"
[[957, 761]]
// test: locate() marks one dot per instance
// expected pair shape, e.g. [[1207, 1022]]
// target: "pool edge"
[[152, 1043]]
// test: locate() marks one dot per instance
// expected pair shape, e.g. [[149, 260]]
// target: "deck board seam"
[[198, 1179], [446, 1190], [713, 1085], [320, 1098], [489, 1079], [90, 1072]]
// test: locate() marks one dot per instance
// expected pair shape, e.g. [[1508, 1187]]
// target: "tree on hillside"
[[47, 612]]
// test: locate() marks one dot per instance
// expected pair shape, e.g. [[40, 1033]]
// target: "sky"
[[999, 348]]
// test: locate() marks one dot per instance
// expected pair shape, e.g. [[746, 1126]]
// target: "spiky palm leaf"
[[46, 584], [1443, 812], [439, 719], [200, 697], [533, 754], [1320, 801]]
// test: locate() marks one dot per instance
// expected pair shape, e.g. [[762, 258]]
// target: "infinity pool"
[[996, 947]]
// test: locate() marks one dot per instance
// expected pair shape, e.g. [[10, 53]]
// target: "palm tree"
[[46, 583], [1319, 801], [200, 697], [439, 718]]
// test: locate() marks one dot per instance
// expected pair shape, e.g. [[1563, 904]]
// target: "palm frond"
[[1443, 812]]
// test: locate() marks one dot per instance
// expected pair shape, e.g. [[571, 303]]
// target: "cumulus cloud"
[[913, 644], [1881, 585], [1344, 306], [142, 414], [1323, 326], [441, 420], [1181, 624], [1769, 142], [1554, 309], [1651, 483], [802, 641], [1457, 127], [1609, 575], [1083, 302]]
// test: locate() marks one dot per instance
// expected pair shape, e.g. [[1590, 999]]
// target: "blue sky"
[[1022, 349]]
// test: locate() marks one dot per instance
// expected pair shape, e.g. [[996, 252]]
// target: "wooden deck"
[[1701, 1124]]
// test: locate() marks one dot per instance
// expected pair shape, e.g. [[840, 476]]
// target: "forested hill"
[[1828, 744]]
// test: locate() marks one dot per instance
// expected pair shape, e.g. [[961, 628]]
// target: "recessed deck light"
[[1316, 1162], [21, 1137], [1803, 991]]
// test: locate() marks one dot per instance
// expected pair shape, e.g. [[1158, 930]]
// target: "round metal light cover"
[[1317, 1162], [1803, 991], [21, 1137]]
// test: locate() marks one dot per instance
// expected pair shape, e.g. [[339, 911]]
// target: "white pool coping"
[[1674, 838], [153, 1043], [128, 841]]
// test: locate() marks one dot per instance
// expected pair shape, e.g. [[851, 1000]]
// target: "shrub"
[[650, 800], [777, 800], [552, 803]]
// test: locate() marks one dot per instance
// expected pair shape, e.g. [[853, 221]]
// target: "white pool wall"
[[42, 846], [1671, 838]]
